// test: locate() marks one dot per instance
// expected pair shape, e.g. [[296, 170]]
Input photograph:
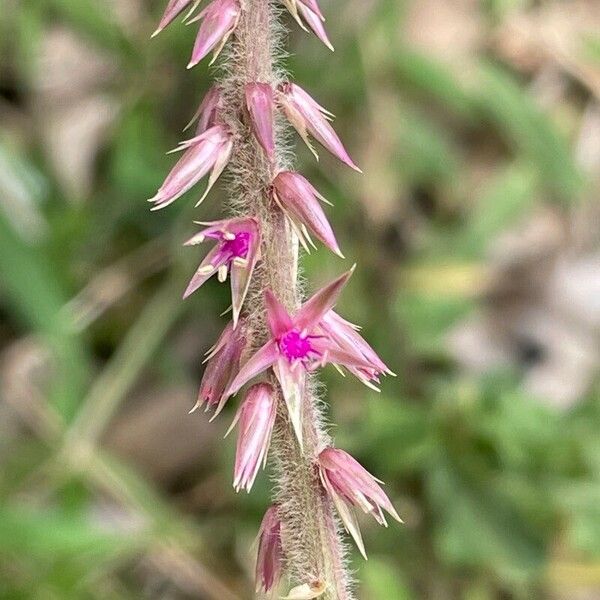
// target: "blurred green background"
[[475, 227]]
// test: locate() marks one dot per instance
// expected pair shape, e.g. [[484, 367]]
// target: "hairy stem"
[[310, 531]]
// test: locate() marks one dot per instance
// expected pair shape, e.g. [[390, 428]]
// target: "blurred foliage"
[[108, 489]]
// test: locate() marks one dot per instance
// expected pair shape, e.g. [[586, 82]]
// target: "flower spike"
[[210, 150], [237, 252], [309, 117], [223, 363], [219, 19], [269, 560], [297, 345], [259, 102], [299, 200], [256, 417], [349, 485], [236, 120]]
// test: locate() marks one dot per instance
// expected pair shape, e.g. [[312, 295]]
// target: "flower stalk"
[[274, 340], [313, 549]]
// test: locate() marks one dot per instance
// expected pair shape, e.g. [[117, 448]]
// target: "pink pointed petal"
[[322, 131], [224, 339], [222, 366], [219, 20], [298, 121], [297, 198], [350, 479], [329, 138], [256, 418], [212, 230], [259, 101], [241, 275], [314, 6], [242, 270], [261, 360], [312, 311], [269, 560], [206, 113], [303, 110], [345, 334], [302, 99], [343, 351], [315, 23], [292, 386], [223, 157], [367, 377], [346, 515], [174, 8], [277, 316], [208, 267]]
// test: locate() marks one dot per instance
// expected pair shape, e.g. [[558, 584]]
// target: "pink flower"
[[259, 102], [346, 336], [207, 112], [297, 345], [309, 117], [349, 484], [315, 22], [219, 19], [174, 8], [223, 364], [209, 150], [236, 252], [269, 560], [299, 200], [256, 417]]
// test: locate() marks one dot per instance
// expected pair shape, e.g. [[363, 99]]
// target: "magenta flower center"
[[295, 346], [237, 247]]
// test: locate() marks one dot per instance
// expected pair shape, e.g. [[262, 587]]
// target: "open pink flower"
[[236, 252], [269, 560], [222, 365], [209, 151], [349, 485], [309, 117], [174, 8], [297, 345], [256, 417], [219, 19], [207, 112], [259, 102], [299, 200]]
